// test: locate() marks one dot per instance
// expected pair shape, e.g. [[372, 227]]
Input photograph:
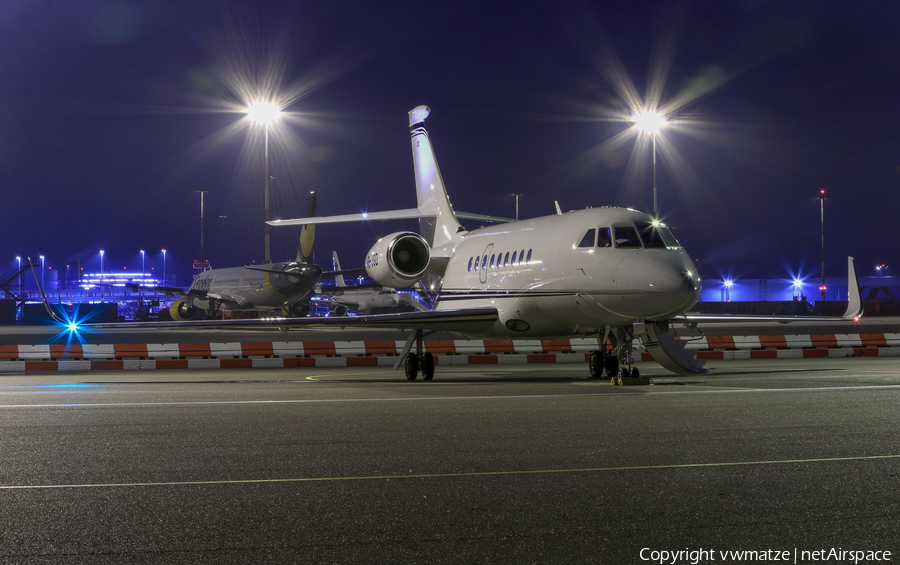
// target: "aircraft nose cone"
[[660, 272]]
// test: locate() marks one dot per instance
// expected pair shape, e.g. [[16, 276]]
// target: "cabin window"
[[470, 264], [528, 259], [483, 262], [522, 256], [506, 259], [514, 257], [492, 261], [627, 237], [476, 262], [588, 239], [603, 238]]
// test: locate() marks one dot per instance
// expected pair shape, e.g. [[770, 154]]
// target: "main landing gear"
[[618, 363], [418, 361]]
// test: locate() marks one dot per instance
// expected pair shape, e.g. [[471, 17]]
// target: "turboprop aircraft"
[[608, 272], [283, 286]]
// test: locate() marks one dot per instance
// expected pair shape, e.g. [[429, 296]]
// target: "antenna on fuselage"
[[558, 211]]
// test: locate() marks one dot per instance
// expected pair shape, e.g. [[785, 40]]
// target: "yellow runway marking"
[[725, 387], [455, 475], [342, 374]]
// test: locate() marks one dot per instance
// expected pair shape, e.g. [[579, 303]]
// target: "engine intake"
[[398, 260]]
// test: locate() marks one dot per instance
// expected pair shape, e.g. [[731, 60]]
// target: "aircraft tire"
[[596, 364], [428, 366], [635, 373], [412, 367], [611, 364]]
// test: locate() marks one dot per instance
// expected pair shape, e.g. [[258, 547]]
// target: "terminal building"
[[103, 296]]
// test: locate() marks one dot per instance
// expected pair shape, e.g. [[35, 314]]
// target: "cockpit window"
[[627, 237], [657, 235], [588, 239], [603, 237]]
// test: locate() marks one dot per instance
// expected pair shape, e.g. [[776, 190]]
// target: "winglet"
[[854, 298], [307, 233], [338, 279]]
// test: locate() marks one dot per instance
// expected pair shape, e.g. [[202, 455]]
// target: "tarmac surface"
[[498, 464]]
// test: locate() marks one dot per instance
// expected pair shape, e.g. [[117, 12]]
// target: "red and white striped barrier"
[[247, 355]]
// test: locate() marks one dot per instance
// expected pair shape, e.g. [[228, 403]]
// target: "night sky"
[[112, 114]]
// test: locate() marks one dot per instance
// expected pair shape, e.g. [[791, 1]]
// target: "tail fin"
[[338, 279], [438, 224], [307, 233]]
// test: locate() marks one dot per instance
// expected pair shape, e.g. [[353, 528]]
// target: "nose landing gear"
[[418, 361], [618, 363]]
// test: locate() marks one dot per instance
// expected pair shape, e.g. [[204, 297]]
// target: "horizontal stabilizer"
[[406, 214]]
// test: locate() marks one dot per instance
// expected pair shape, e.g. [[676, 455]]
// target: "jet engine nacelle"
[[182, 310], [398, 260]]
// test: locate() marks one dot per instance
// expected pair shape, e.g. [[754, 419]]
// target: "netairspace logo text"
[[795, 556]]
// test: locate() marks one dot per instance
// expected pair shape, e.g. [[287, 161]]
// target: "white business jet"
[[609, 272]]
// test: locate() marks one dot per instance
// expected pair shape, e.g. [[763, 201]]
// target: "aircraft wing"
[[167, 290], [854, 309], [463, 320]]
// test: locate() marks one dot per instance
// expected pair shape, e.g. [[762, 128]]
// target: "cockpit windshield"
[[657, 235]]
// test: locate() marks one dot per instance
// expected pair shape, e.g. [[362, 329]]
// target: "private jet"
[[613, 273], [609, 272]]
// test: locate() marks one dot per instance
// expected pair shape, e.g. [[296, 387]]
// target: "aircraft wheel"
[[612, 365], [428, 366], [412, 367], [635, 373], [595, 364]]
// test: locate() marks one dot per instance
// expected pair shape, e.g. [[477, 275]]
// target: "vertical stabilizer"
[[307, 233], [338, 279], [441, 225]]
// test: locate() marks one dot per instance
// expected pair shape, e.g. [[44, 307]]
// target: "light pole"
[[821, 198], [42, 271], [517, 195], [101, 276], [202, 265], [265, 113], [164, 267], [142, 266], [651, 123]]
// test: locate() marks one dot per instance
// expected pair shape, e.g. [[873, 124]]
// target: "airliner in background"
[[613, 273], [365, 298], [281, 286]]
